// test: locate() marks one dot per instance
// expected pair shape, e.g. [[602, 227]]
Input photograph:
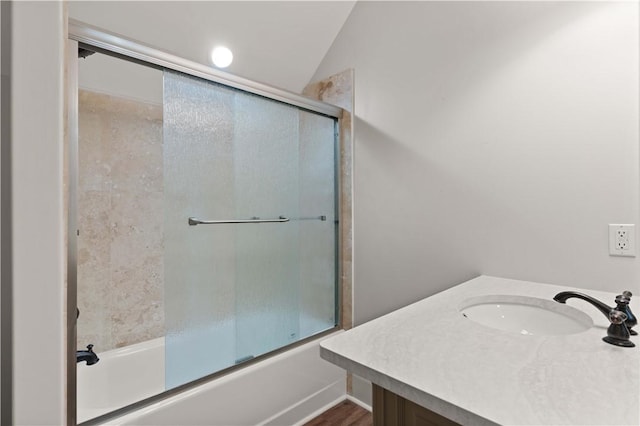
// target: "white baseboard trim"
[[320, 411], [313, 415], [360, 403], [311, 406]]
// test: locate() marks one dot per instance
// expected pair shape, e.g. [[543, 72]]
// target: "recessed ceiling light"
[[221, 57]]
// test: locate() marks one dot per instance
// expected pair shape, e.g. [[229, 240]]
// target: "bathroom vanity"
[[431, 363]]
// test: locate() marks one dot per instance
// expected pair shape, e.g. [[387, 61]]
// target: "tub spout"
[[89, 356]]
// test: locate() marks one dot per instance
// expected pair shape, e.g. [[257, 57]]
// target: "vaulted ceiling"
[[279, 43]]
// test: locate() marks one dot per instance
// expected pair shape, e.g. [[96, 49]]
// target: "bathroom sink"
[[525, 315]]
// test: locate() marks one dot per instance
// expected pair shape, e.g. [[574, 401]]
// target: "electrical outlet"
[[622, 240]]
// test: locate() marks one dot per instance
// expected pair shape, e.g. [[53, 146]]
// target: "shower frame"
[[81, 34]]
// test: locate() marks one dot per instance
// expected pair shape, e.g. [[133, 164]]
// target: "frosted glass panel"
[[200, 261], [267, 269], [237, 291], [318, 238]]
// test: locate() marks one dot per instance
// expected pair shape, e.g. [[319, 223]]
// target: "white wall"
[[38, 242], [495, 138]]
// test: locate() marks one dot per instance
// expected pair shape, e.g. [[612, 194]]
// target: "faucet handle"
[[623, 305], [617, 333], [615, 316], [90, 347], [622, 299]]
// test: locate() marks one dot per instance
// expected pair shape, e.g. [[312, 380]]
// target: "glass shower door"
[[267, 263], [238, 290], [199, 260]]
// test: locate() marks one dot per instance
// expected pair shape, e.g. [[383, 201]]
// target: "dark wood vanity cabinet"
[[390, 409]]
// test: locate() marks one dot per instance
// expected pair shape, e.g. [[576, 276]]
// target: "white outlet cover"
[[622, 240]]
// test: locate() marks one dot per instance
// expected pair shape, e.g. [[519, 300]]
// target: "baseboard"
[[360, 403], [304, 407], [311, 406]]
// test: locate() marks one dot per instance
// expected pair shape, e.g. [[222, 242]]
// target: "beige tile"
[[94, 156], [336, 89], [93, 268], [120, 217], [136, 144], [137, 312]]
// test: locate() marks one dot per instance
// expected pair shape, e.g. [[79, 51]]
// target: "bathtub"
[[286, 389], [121, 377]]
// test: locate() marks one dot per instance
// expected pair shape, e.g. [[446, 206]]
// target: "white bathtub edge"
[[302, 397]]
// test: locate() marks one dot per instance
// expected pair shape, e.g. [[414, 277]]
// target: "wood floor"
[[344, 414]]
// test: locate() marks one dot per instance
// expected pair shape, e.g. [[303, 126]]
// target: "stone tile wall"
[[120, 220]]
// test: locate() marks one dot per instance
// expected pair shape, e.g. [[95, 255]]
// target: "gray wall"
[[496, 138]]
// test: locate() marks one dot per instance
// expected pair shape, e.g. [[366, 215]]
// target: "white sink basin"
[[525, 315]]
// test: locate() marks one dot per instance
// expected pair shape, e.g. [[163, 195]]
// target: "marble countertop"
[[430, 354]]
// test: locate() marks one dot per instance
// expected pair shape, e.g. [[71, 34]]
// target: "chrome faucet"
[[89, 356], [620, 317]]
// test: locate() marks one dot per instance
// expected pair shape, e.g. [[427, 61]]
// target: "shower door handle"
[[194, 221]]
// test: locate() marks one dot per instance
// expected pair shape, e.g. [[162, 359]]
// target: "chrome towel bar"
[[195, 221]]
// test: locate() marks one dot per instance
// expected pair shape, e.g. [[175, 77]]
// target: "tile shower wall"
[[120, 219]]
